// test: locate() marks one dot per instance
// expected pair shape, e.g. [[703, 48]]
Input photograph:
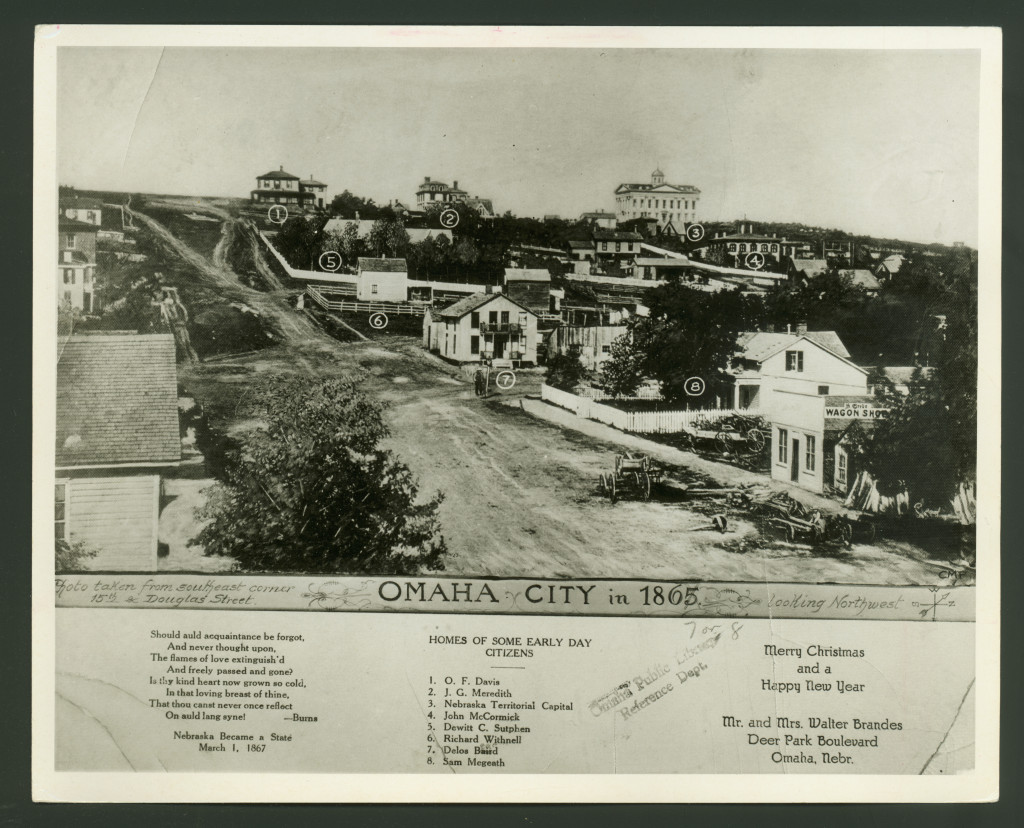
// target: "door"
[[499, 347], [794, 462]]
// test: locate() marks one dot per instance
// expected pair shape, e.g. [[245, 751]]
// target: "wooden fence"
[[332, 299], [638, 422]]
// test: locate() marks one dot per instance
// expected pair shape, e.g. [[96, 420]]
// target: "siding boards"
[[117, 516]]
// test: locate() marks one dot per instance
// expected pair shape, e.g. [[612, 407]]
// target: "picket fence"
[[638, 422]]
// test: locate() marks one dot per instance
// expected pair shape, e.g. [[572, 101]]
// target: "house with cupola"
[[673, 205]]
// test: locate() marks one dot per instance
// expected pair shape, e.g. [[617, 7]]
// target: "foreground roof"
[[117, 400]]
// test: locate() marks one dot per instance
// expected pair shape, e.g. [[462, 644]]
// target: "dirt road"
[[520, 494]]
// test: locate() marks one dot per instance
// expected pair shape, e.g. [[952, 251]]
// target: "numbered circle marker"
[[695, 232], [378, 321], [755, 261], [505, 380], [694, 386], [330, 260], [449, 218], [278, 214]]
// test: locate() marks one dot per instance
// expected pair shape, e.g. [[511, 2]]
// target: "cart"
[[633, 475], [800, 524], [727, 439]]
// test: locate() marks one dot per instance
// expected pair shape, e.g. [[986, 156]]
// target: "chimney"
[[281, 168], [426, 179], [801, 328], [789, 328], [357, 215], [455, 184]]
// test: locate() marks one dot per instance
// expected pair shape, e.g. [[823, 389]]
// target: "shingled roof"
[[117, 400], [382, 265], [759, 345]]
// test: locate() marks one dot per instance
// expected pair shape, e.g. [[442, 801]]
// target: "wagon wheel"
[[870, 532], [755, 439], [846, 532], [644, 479], [602, 484], [611, 488], [722, 441]]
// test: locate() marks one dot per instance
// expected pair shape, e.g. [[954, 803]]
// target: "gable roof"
[[759, 345], [77, 202], [68, 224], [117, 400], [576, 244], [382, 265], [477, 300], [516, 274], [862, 278], [616, 235], [810, 267]]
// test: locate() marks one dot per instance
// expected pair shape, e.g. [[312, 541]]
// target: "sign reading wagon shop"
[[853, 408]]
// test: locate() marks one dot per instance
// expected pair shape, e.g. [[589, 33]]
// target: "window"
[[373, 288], [606, 349], [277, 185], [794, 360], [69, 241], [474, 344], [455, 343], [604, 246], [618, 247], [783, 445], [474, 321], [522, 320], [60, 523], [67, 296], [822, 390], [841, 467], [809, 442], [492, 317], [504, 317]]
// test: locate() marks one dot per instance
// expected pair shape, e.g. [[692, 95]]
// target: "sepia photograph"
[[572, 403], [674, 313]]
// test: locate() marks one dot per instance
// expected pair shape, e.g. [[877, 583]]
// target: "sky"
[[875, 142]]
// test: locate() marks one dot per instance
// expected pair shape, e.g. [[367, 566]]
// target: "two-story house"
[[483, 326], [280, 187], [800, 361], [76, 264]]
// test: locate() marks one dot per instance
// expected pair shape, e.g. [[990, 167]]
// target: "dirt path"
[[296, 328]]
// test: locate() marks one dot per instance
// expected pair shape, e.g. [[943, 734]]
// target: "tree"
[[928, 442], [312, 491], [689, 333], [346, 205], [566, 371], [71, 555], [388, 238], [300, 240]]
